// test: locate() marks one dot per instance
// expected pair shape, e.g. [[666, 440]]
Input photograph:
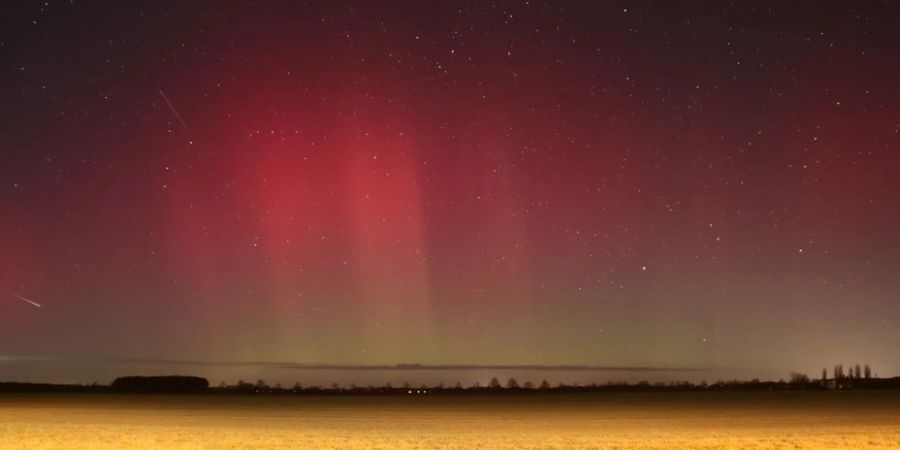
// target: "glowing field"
[[682, 420]]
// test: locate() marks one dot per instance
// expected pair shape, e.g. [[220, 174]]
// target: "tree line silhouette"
[[164, 384], [855, 378]]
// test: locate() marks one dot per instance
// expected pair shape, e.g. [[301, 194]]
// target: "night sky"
[[706, 186]]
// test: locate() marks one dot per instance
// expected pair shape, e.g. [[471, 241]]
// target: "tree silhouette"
[[857, 371], [512, 384], [824, 374], [494, 383], [528, 385], [544, 385], [867, 372], [799, 379]]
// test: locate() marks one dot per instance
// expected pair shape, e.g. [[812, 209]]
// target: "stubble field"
[[663, 420]]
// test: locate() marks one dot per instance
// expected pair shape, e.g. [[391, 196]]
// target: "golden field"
[[636, 420]]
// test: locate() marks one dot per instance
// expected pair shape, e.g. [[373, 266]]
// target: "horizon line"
[[365, 367]]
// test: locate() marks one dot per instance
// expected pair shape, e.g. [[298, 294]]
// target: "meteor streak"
[[178, 116], [24, 299]]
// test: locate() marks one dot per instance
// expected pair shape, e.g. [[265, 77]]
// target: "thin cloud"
[[25, 358], [408, 367]]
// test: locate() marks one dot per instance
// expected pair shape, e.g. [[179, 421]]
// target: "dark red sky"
[[506, 183]]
